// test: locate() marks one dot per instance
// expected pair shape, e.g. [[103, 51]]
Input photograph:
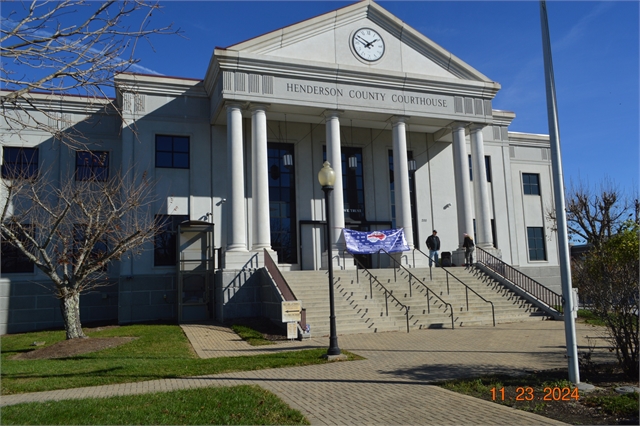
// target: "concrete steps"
[[361, 307]]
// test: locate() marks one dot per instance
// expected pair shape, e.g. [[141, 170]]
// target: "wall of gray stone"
[[547, 276], [238, 294], [30, 306], [246, 293], [146, 298]]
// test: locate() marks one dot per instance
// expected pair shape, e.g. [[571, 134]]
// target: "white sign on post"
[[291, 311]]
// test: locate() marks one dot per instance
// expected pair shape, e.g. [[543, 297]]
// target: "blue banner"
[[392, 240]]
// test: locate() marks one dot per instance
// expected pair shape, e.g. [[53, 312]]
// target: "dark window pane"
[[181, 161], [164, 159], [180, 144], [19, 163], [92, 165], [285, 195], [535, 237], [530, 183], [172, 151], [164, 143], [12, 260]]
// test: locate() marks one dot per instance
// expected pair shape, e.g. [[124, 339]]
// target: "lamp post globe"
[[327, 177]]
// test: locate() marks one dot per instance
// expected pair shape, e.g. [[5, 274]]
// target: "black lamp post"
[[327, 178]]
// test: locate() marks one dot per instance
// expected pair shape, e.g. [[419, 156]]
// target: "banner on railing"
[[358, 242]]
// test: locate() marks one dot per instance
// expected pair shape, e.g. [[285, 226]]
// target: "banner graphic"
[[358, 242]]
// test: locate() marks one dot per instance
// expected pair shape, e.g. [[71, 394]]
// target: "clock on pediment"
[[367, 44]]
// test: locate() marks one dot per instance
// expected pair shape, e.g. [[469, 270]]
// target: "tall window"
[[282, 202], [531, 183], [352, 183], [487, 167], [19, 163], [172, 151], [165, 243], [12, 259], [535, 239], [92, 165]]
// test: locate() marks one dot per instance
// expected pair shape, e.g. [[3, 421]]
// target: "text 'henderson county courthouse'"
[[407, 126]]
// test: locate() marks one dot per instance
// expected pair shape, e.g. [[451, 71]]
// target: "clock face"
[[368, 44]]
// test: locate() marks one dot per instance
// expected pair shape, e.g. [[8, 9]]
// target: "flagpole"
[[558, 190]]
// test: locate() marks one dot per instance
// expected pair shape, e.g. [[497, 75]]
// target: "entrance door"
[[195, 271]]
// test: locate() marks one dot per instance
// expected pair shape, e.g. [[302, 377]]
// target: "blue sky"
[[595, 54]]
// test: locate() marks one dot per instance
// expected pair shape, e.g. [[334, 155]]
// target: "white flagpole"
[[558, 189]]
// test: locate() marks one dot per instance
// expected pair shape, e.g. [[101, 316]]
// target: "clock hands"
[[363, 41], [366, 43]]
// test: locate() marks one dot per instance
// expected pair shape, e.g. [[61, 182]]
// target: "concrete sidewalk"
[[391, 386]]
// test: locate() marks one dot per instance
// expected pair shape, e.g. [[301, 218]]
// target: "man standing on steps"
[[433, 243], [469, 247]]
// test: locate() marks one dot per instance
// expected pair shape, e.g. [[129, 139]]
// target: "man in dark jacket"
[[433, 243], [469, 248]]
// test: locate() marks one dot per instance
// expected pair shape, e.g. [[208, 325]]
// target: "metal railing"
[[419, 281], [467, 288], [387, 293], [520, 280], [283, 286]]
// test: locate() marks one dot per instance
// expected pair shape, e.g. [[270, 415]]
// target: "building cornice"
[[159, 85], [68, 103], [343, 74], [528, 139], [503, 118]]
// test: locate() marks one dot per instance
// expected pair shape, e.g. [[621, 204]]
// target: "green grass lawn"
[[228, 406], [159, 352]]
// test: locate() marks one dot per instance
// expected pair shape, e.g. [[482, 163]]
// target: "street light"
[[327, 177]]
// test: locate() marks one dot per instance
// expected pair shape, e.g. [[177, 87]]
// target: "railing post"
[[428, 302], [386, 301], [370, 287], [407, 315], [410, 294], [466, 291]]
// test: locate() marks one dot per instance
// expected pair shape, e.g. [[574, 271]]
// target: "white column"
[[260, 179], [461, 173], [334, 156], [480, 189], [237, 234], [401, 179]]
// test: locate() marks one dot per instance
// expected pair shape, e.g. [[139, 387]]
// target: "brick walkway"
[[392, 386]]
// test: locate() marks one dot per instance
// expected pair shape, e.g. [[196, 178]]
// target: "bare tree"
[[66, 47], [595, 214], [71, 231]]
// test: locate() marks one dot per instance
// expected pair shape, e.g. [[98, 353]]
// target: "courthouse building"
[[407, 126]]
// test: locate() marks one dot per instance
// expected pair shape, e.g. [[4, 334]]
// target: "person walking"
[[433, 244], [469, 248]]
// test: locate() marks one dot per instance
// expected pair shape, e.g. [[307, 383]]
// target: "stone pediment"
[[328, 40]]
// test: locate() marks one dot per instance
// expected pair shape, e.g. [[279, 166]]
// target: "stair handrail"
[[422, 283], [467, 288], [282, 285], [387, 292], [545, 295]]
